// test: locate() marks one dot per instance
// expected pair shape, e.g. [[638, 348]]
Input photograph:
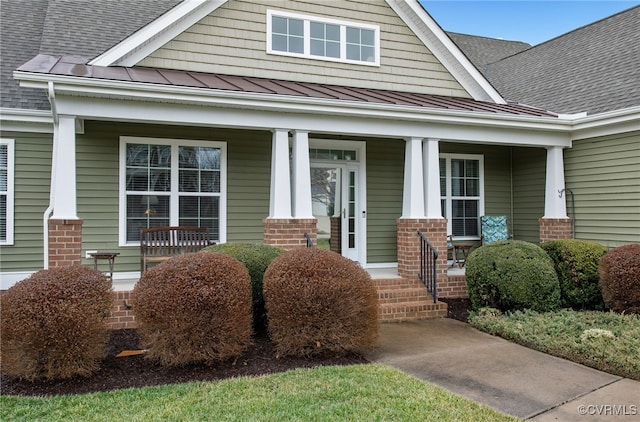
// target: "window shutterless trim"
[[10, 143], [307, 19], [174, 193], [448, 197]]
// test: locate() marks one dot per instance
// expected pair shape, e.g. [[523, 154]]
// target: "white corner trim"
[[451, 57], [157, 33]]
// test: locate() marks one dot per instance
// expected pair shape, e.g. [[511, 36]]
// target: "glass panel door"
[[350, 221], [334, 196]]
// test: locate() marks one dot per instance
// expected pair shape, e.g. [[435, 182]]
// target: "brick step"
[[409, 294], [397, 283], [411, 311]]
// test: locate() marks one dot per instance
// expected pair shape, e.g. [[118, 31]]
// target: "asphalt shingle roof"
[[483, 50], [595, 68], [73, 27]]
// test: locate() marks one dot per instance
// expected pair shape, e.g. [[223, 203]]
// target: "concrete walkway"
[[503, 375]]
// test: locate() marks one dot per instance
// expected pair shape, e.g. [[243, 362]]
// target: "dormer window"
[[319, 38]]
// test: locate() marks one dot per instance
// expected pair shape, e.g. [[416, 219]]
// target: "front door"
[[335, 193]]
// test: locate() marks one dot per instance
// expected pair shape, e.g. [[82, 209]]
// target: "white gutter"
[[51, 95], [84, 87]]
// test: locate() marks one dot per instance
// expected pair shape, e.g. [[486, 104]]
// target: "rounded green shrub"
[[576, 263], [53, 324], [256, 257], [619, 273], [194, 308], [320, 303], [511, 275]]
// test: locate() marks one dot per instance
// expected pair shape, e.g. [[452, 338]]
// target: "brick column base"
[[288, 233], [555, 228], [65, 242], [435, 230]]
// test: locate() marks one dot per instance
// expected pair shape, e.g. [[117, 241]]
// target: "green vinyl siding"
[[248, 170], [604, 176], [31, 196], [385, 172], [248, 184], [529, 167]]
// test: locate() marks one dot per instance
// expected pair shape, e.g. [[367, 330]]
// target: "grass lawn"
[[606, 341], [355, 393]]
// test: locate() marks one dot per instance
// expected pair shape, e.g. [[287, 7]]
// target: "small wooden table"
[[465, 251], [109, 256]]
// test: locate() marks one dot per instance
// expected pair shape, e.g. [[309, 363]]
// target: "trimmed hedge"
[[576, 263], [320, 303], [512, 275], [256, 257], [53, 324], [194, 308], [620, 279]]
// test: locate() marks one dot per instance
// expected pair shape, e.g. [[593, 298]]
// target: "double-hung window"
[[6, 191], [171, 183], [322, 39], [462, 193]]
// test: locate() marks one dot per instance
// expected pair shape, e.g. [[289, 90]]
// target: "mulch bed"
[[135, 371], [458, 308]]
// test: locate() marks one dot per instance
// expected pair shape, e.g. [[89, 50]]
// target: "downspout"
[[47, 213]]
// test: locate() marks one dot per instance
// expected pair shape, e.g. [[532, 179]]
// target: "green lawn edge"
[[367, 392]]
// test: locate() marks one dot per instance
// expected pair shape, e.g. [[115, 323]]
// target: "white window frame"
[[307, 19], [10, 143], [448, 197], [174, 194]]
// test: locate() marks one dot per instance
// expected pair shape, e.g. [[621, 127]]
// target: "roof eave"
[[79, 86]]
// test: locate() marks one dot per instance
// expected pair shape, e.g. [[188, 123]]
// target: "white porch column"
[[301, 175], [280, 197], [432, 206], [64, 170], [554, 198], [413, 193]]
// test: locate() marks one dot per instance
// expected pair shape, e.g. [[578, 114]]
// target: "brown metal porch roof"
[[76, 66]]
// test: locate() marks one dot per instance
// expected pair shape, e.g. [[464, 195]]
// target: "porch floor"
[[392, 272]]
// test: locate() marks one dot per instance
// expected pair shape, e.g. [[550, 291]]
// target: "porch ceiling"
[[77, 67]]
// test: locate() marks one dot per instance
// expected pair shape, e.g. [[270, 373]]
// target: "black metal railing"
[[309, 240], [428, 260]]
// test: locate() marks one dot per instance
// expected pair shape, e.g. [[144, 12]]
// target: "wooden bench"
[[161, 243]]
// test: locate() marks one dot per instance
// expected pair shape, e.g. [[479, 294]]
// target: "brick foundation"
[[288, 233], [122, 315], [65, 242], [555, 228], [455, 287]]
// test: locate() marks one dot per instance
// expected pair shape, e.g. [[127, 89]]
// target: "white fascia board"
[[153, 36], [445, 50], [26, 120], [608, 123], [132, 101]]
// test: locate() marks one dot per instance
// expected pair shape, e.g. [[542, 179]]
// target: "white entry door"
[[335, 197]]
